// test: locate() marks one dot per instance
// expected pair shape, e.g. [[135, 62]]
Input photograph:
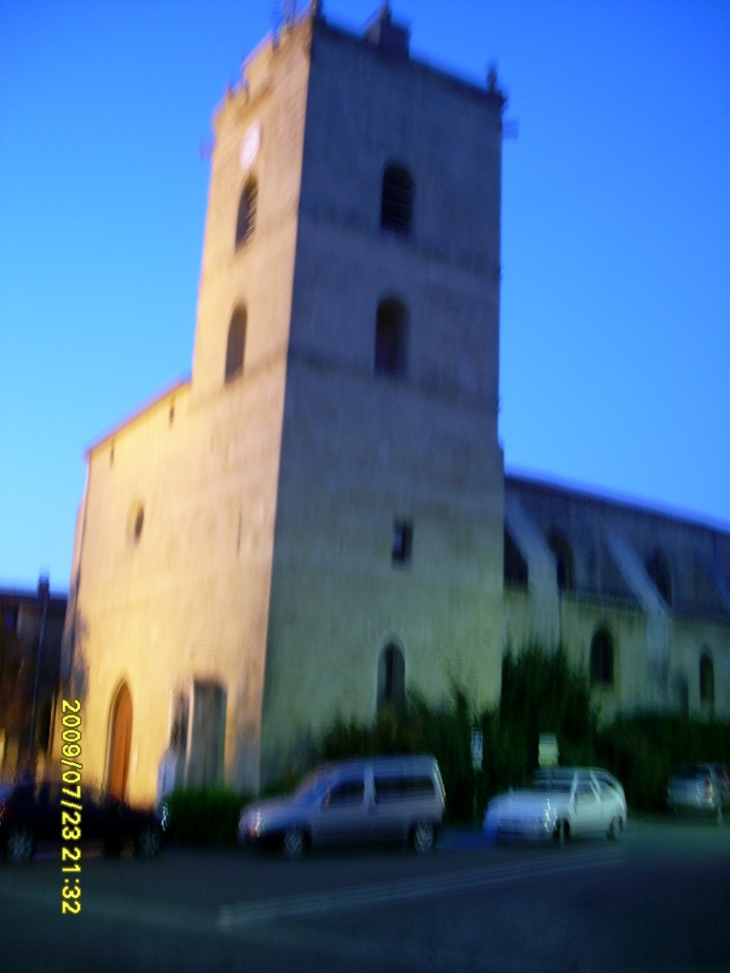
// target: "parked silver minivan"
[[379, 799]]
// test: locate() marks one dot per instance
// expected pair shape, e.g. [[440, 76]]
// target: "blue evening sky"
[[615, 347]]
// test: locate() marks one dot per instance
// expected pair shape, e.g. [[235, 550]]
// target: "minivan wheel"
[[20, 846], [294, 843], [424, 837], [561, 832]]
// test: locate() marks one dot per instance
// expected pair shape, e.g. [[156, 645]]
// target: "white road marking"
[[311, 904], [255, 915]]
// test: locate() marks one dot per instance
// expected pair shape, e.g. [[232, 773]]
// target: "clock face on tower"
[[250, 145]]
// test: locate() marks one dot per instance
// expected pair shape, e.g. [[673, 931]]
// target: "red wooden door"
[[121, 742]]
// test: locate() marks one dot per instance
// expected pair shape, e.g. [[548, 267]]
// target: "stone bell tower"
[[349, 311]]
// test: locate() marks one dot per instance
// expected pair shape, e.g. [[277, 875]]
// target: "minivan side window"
[[346, 792], [399, 787]]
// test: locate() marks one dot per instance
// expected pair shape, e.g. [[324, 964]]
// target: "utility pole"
[[44, 590]]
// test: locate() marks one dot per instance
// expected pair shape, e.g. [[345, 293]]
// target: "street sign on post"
[[477, 749], [547, 755], [477, 760]]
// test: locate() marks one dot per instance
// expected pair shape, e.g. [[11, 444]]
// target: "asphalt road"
[[658, 900]]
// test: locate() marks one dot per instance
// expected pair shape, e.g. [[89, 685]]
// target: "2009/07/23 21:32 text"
[[71, 800]]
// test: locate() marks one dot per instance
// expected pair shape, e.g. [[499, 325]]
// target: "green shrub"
[[543, 692], [206, 816], [444, 732]]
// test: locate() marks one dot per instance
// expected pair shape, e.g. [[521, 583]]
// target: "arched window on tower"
[[246, 222], [707, 680], [396, 205], [602, 667], [391, 678], [563, 559], [658, 570], [236, 344], [391, 338]]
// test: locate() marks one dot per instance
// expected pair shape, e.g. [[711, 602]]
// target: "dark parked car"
[[31, 811]]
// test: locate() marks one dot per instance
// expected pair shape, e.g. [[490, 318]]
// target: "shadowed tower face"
[[355, 214], [369, 271]]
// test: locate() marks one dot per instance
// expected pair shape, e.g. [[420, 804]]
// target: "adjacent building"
[[31, 631]]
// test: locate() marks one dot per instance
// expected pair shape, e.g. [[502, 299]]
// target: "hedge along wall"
[[542, 692], [642, 751]]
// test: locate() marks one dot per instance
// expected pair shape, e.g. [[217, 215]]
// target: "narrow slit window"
[[391, 678], [707, 680], [402, 541]]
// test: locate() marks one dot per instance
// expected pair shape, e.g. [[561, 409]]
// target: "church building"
[[319, 519]]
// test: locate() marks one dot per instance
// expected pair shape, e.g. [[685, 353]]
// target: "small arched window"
[[563, 560], [391, 338], [601, 668], [707, 680], [658, 570], [396, 205], [391, 678], [236, 344], [246, 222]]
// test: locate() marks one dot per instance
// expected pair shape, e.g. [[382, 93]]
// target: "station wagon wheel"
[[148, 842], [561, 832], [424, 837], [614, 828], [20, 844], [294, 843]]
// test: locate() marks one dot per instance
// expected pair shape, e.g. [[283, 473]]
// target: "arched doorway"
[[121, 739], [208, 734]]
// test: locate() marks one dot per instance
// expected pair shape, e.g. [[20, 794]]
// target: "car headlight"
[[253, 824], [165, 819]]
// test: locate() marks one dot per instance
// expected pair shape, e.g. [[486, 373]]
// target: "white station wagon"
[[562, 801]]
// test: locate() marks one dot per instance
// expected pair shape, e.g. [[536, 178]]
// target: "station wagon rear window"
[[561, 783]]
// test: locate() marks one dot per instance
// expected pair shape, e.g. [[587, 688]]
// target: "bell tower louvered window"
[[246, 223], [602, 659], [236, 345], [396, 208]]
